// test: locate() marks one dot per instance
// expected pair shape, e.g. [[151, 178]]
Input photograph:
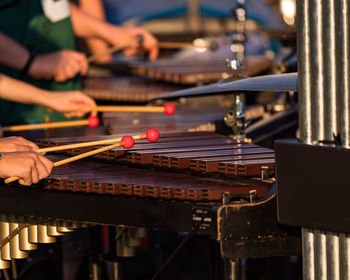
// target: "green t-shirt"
[[43, 26]]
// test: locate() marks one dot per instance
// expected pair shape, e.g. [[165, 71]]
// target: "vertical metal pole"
[[330, 71], [333, 256], [344, 256], [343, 106], [317, 77], [308, 254], [304, 68], [320, 255], [343, 56], [304, 84], [115, 271], [234, 271], [324, 103]]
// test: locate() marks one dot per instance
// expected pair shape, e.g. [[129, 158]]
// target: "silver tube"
[[52, 231], [132, 239], [4, 264], [24, 243], [64, 229], [303, 41], [15, 251], [344, 257], [308, 254], [317, 77], [320, 255], [43, 236], [4, 232], [343, 98], [330, 72], [333, 271], [141, 232], [33, 234], [123, 247]]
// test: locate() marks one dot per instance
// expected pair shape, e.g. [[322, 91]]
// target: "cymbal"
[[280, 82]]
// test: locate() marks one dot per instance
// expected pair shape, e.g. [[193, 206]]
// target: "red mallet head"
[[169, 109], [152, 134], [93, 121], [128, 142]]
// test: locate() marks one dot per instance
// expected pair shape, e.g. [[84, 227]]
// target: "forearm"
[[17, 91], [95, 8], [12, 54], [87, 26]]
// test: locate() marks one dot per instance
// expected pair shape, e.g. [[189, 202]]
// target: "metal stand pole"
[[94, 271], [114, 270], [234, 269]]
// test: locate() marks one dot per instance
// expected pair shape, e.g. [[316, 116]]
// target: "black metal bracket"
[[313, 185], [251, 230]]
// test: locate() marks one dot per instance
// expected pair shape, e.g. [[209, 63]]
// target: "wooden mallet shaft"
[[84, 155], [92, 121], [138, 39], [45, 125], [128, 109], [80, 145], [168, 109]]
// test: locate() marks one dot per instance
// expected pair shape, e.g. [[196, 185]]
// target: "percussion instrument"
[[126, 88], [194, 72], [276, 83], [176, 184]]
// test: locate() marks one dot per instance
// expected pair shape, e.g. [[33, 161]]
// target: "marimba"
[[175, 183], [126, 88], [196, 72], [188, 181]]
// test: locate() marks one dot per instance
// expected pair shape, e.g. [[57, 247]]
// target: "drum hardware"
[[238, 38], [235, 117]]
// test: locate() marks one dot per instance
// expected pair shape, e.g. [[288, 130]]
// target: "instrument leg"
[[95, 253], [114, 271], [234, 270], [94, 271]]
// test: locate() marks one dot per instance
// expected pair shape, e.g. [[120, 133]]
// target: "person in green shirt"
[[37, 46]]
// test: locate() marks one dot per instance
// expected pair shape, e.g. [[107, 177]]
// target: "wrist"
[[43, 98], [108, 35], [29, 62]]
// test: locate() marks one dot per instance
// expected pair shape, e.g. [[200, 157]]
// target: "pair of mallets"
[[127, 142]]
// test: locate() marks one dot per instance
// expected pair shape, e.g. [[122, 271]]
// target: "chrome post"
[[234, 270], [317, 77], [330, 72], [344, 256], [308, 254], [324, 102], [333, 260], [320, 255], [343, 56], [304, 69]]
